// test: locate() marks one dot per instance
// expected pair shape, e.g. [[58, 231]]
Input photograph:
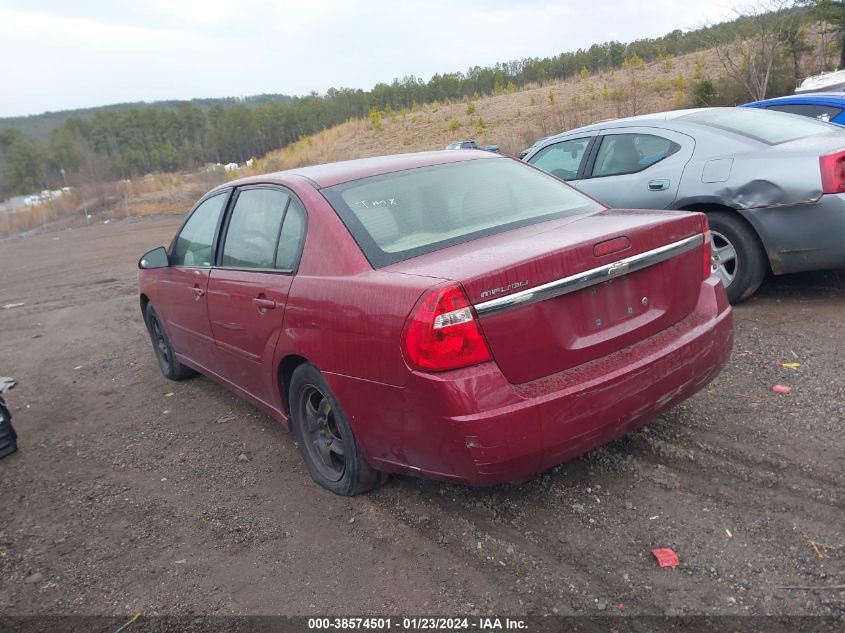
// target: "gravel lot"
[[132, 493]]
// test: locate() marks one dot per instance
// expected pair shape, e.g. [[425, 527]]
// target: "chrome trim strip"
[[591, 277]]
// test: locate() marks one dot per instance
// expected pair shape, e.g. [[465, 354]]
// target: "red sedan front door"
[[182, 286]]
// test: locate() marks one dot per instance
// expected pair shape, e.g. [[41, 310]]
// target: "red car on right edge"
[[456, 315]]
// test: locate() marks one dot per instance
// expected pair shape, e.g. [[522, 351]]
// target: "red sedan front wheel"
[[163, 350]]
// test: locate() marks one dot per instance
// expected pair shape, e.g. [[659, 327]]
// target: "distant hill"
[[38, 127], [518, 73], [611, 79], [512, 119]]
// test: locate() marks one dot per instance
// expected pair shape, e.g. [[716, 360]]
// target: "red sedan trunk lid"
[[561, 318]]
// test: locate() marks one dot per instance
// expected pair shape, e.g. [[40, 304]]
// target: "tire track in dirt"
[[112, 493]]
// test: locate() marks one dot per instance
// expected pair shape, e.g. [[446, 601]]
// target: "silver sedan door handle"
[[658, 185]]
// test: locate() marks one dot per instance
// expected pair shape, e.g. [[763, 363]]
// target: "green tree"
[[24, 164], [703, 93], [66, 148]]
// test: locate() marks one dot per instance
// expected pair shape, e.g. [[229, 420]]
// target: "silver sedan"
[[772, 184]]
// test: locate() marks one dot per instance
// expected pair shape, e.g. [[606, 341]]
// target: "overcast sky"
[[56, 54]]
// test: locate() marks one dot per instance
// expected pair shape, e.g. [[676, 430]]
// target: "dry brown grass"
[[513, 121], [150, 195], [517, 119], [161, 193]]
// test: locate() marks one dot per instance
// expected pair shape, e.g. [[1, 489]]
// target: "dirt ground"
[[130, 493]]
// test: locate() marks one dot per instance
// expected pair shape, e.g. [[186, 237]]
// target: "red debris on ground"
[[781, 389], [666, 557]]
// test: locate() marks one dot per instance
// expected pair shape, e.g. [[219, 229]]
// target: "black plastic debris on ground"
[[8, 437]]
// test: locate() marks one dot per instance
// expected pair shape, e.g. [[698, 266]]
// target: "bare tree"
[[824, 31], [768, 29], [634, 66], [829, 13], [795, 46]]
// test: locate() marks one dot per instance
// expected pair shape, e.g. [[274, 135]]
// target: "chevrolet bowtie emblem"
[[619, 268]]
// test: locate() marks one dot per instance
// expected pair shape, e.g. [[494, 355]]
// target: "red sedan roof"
[[331, 174]]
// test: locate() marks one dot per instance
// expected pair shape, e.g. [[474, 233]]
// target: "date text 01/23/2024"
[[417, 624]]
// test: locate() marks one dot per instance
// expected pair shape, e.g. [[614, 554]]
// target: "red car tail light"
[[443, 332], [833, 172], [706, 253]]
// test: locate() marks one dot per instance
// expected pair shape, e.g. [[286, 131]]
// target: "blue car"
[[825, 106]]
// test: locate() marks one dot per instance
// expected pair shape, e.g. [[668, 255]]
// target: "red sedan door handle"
[[198, 292], [263, 304]]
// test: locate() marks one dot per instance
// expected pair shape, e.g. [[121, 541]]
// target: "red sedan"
[[457, 315]]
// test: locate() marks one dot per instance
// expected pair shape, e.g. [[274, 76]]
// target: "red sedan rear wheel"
[[326, 442]]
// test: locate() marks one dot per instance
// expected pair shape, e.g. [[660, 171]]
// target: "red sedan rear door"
[[248, 290]]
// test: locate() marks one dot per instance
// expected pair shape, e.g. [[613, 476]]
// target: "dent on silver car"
[[756, 166]]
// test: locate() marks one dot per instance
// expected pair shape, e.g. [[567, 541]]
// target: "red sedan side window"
[[194, 245], [292, 237], [253, 231]]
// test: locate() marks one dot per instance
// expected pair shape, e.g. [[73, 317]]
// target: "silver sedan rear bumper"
[[802, 237]]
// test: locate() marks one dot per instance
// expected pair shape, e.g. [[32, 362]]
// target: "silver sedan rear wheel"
[[723, 258], [737, 255]]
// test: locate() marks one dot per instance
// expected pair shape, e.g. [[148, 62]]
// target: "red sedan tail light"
[[443, 332], [706, 254], [833, 172]]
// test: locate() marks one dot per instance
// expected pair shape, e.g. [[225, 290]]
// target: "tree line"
[[124, 142]]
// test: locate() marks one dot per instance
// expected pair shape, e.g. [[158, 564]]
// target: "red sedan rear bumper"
[[474, 427]]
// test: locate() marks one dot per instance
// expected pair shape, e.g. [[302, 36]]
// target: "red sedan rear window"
[[397, 216]]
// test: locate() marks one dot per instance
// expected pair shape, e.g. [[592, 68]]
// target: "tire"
[[163, 350], [738, 256], [325, 439]]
